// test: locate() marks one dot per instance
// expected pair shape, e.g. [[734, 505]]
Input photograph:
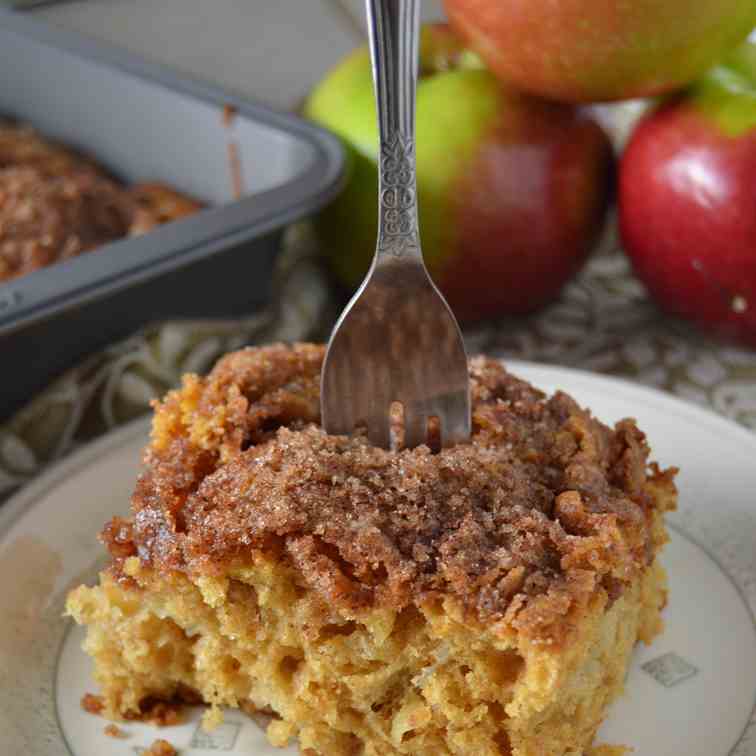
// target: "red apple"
[[597, 50], [512, 191], [688, 201]]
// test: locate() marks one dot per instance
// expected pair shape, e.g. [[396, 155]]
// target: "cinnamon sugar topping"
[[541, 509]]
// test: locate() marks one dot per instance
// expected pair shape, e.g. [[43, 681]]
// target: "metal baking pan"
[[144, 122]]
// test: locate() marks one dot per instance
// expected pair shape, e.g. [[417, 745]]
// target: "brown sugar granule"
[[92, 704], [114, 731], [160, 747], [543, 506]]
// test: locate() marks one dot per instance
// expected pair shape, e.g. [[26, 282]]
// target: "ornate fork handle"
[[394, 53], [397, 340]]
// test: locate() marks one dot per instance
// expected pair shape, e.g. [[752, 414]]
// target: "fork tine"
[[379, 430], [336, 388], [415, 427], [377, 396], [453, 418]]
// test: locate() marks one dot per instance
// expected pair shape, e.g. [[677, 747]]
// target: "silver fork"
[[397, 340]]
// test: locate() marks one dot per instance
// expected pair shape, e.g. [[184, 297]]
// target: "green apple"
[[512, 191]]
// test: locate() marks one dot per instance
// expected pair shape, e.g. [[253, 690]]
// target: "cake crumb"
[[160, 713], [131, 566], [212, 718], [280, 733], [114, 731], [262, 717], [160, 747], [92, 704]]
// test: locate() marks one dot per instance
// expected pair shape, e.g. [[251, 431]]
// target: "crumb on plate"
[[92, 704], [160, 747], [160, 713], [114, 731]]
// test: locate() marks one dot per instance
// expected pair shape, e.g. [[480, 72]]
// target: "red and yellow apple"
[[688, 200], [512, 191], [598, 50]]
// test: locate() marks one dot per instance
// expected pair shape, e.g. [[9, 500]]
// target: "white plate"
[[691, 693]]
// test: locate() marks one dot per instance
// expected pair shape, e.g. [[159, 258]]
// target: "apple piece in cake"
[[482, 600]]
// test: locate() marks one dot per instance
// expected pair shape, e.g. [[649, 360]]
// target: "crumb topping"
[[56, 204], [47, 219], [20, 145], [544, 506]]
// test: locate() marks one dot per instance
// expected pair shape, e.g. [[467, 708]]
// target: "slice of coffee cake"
[[483, 600]]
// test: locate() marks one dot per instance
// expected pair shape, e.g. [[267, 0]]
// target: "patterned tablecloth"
[[603, 322]]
